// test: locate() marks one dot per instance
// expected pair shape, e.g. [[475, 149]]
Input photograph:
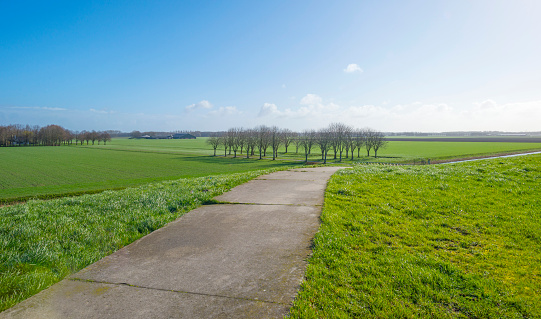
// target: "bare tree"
[[297, 141], [234, 138], [263, 140], [324, 141], [240, 138], [368, 132], [378, 141], [251, 141], [339, 138], [306, 141], [214, 141], [288, 137], [276, 140], [105, 137], [223, 141]]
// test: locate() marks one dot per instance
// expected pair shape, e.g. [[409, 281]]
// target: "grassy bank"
[[448, 241], [41, 242]]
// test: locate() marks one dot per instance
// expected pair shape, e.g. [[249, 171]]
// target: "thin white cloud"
[[311, 99], [200, 105], [101, 111], [39, 108], [311, 106], [225, 111], [268, 109], [352, 68]]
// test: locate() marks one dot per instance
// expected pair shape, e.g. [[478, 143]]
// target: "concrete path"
[[242, 259]]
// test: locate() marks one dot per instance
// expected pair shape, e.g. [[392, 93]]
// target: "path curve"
[[241, 259]]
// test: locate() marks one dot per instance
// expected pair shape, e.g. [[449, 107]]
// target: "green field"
[[409, 151], [39, 171], [441, 241], [63, 170]]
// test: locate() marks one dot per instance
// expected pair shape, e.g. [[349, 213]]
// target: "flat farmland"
[[44, 172], [410, 151], [51, 171], [405, 151]]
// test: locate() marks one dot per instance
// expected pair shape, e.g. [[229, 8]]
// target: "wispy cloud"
[[38, 108], [352, 68], [225, 111], [200, 105], [102, 111]]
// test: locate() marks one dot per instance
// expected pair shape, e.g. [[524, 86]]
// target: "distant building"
[[183, 136]]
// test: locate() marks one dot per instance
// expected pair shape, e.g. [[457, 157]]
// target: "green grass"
[[410, 151], [41, 242], [447, 241], [52, 171], [47, 172]]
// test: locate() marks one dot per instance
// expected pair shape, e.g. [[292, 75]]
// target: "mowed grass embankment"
[[41, 242], [444, 241], [66, 170]]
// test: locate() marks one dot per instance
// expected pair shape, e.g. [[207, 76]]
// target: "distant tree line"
[[50, 135], [340, 139]]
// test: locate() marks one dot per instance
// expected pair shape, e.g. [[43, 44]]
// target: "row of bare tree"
[[50, 135], [339, 138]]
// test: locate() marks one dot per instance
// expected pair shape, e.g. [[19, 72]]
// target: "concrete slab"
[[279, 191], [244, 251], [307, 174], [75, 299]]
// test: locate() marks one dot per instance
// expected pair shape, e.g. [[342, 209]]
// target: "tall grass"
[[41, 242], [450, 241]]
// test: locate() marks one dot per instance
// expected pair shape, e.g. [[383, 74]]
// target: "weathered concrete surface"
[[224, 250], [75, 299], [317, 174], [303, 186], [217, 261]]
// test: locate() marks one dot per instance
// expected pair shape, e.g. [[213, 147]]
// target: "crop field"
[[45, 172], [408, 151], [411, 151], [64, 170], [41, 242], [439, 241]]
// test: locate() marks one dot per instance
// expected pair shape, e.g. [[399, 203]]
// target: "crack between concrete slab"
[[262, 204], [172, 290], [286, 179]]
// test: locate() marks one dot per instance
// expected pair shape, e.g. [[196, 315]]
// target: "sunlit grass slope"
[[41, 242], [447, 241]]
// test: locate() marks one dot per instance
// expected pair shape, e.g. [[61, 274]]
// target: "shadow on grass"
[[240, 161]]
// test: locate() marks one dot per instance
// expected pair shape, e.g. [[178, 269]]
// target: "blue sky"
[[210, 65]]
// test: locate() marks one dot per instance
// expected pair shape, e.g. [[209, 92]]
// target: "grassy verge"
[[41, 242], [447, 241]]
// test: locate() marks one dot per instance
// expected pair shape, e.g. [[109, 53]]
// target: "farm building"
[[183, 136]]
